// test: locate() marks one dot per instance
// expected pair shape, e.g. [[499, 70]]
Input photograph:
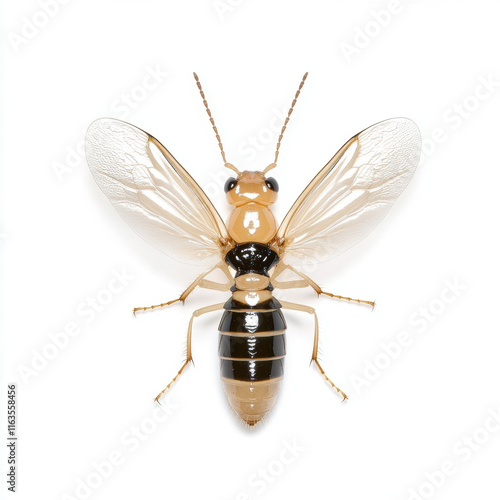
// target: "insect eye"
[[230, 184], [272, 184]]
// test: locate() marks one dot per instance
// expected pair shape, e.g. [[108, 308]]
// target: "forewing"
[[153, 193], [351, 194]]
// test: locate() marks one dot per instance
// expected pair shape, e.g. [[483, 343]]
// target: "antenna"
[[226, 164], [274, 164]]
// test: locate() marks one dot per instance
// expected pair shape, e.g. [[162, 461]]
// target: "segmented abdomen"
[[252, 352]]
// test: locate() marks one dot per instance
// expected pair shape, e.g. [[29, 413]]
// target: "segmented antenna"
[[272, 165], [226, 164]]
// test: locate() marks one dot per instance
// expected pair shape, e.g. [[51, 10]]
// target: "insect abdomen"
[[252, 352]]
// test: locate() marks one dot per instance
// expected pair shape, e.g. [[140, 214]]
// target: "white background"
[[62, 242]]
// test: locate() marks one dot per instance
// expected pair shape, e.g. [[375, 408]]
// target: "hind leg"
[[189, 356], [314, 358]]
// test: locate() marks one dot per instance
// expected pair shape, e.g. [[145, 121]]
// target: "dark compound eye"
[[230, 184], [272, 184]]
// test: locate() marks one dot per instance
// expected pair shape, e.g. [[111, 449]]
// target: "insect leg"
[[280, 267], [225, 269], [199, 281], [311, 310], [189, 356], [286, 284], [290, 284], [214, 285], [318, 289]]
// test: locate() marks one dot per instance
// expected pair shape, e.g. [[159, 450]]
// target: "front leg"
[[200, 282], [307, 281]]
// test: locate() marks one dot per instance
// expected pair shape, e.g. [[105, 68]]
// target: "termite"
[[160, 200]]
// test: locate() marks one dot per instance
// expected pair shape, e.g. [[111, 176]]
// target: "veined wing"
[[153, 193], [351, 194]]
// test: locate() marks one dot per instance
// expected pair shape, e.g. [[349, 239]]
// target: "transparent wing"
[[351, 194], [153, 193]]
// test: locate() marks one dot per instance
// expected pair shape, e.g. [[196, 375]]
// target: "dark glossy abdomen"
[[252, 333], [252, 352]]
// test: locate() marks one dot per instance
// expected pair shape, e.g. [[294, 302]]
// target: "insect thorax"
[[251, 257], [251, 222], [252, 262]]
